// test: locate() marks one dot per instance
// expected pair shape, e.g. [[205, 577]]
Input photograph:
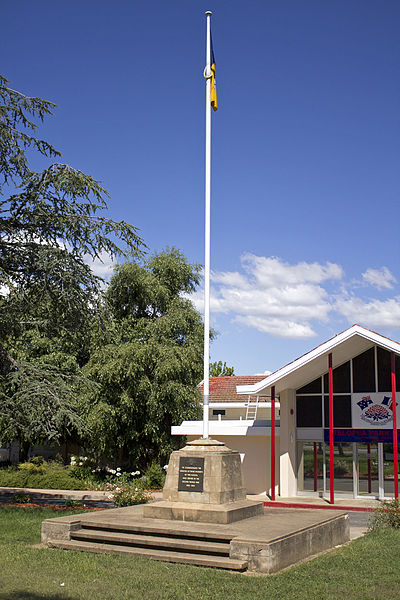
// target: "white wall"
[[256, 461], [288, 485]]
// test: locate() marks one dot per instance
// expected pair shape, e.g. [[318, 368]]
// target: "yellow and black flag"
[[213, 93]]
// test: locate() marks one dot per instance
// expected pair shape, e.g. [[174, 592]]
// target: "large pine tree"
[[49, 226]]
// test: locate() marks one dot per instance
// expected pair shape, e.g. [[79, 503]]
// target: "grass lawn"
[[367, 569]]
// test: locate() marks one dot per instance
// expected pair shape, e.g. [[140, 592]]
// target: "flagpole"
[[206, 386]]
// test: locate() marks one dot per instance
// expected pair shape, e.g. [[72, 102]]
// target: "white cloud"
[[379, 278], [371, 313], [273, 296], [288, 300], [272, 271], [103, 266]]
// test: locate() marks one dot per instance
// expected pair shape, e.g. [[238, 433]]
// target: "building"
[[242, 422], [365, 374]]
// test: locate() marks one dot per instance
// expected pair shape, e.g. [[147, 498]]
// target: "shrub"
[[21, 498], [154, 476], [387, 515], [32, 467], [341, 468], [74, 503], [51, 477], [127, 495]]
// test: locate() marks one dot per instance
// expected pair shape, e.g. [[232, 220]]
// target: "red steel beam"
[[315, 468], [331, 465], [394, 411], [369, 467], [273, 442]]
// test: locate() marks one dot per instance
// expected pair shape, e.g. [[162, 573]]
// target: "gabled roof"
[[223, 389], [345, 345]]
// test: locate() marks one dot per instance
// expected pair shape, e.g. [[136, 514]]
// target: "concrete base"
[[266, 543], [203, 513]]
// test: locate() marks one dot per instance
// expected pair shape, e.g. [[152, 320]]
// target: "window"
[[385, 371], [219, 411], [364, 372], [341, 411], [311, 388], [309, 411], [341, 379]]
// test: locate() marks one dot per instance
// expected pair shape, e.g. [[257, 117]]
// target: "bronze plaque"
[[191, 474]]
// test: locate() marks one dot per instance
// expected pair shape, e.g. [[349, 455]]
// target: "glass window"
[[341, 411], [309, 411], [364, 372], [311, 388], [341, 379], [385, 371]]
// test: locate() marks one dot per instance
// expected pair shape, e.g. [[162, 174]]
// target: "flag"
[[213, 94]]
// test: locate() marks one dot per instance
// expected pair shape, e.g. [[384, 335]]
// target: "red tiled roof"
[[223, 389]]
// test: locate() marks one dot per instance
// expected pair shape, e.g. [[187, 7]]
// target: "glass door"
[[310, 467], [368, 469], [343, 468], [388, 469]]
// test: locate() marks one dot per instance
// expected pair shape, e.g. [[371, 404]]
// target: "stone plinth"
[[204, 483]]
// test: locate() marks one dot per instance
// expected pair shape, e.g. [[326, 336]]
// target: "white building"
[[362, 433]]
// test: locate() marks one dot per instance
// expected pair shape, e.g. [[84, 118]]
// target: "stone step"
[[160, 529], [151, 541], [219, 562]]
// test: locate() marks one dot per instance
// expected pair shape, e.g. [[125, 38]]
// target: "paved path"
[[358, 519]]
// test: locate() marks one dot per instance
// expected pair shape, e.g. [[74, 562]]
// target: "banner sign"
[[361, 435], [373, 410]]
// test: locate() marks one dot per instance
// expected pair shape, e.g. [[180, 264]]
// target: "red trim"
[[331, 465], [273, 442], [315, 468], [317, 506], [394, 412], [369, 468]]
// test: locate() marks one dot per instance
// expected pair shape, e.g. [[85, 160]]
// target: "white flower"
[[165, 467], [112, 471], [80, 463], [110, 496], [118, 468], [73, 461], [118, 474], [134, 473]]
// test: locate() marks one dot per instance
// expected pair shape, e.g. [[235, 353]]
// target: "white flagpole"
[[206, 386]]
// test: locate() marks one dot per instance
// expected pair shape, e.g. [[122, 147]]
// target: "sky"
[[305, 150]]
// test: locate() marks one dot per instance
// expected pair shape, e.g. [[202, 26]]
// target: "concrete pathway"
[[359, 509]]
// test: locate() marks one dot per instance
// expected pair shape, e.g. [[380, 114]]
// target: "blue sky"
[[306, 141]]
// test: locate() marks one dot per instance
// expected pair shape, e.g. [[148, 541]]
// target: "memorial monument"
[[205, 484]]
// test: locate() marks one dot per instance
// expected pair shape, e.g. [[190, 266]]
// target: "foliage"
[[21, 498], [386, 516], [154, 476], [217, 369], [49, 230], [53, 477], [125, 494], [71, 503], [148, 362]]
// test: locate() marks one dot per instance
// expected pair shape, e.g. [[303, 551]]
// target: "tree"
[[49, 229], [217, 369], [148, 362]]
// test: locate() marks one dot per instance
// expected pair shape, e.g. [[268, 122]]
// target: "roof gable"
[[343, 346]]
